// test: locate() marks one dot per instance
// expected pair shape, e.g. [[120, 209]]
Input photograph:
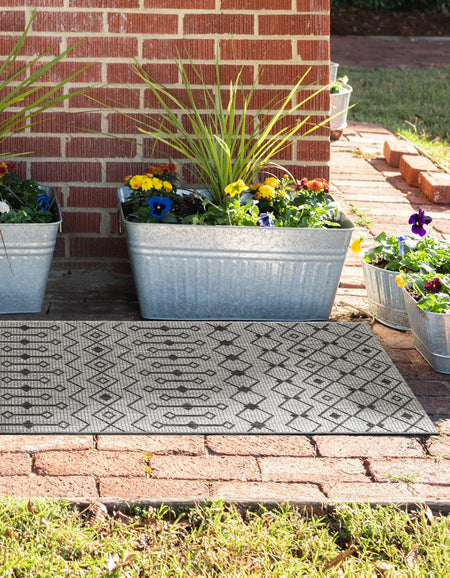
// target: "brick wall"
[[283, 37]]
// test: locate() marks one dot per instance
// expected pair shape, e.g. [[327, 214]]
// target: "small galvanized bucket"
[[26, 254], [431, 334], [339, 107], [386, 302]]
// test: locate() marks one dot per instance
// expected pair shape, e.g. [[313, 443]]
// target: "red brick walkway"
[[305, 470], [390, 52]]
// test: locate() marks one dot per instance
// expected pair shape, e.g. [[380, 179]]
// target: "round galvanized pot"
[[431, 334], [386, 302], [26, 253], [195, 272]]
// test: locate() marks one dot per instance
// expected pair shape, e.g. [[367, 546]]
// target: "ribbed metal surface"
[[431, 334], [385, 297], [333, 71], [29, 250], [339, 104], [243, 273]]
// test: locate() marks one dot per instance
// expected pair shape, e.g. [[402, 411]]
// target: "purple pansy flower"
[[159, 206], [265, 220], [418, 220], [43, 202]]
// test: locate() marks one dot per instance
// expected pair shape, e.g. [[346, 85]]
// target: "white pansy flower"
[[4, 207]]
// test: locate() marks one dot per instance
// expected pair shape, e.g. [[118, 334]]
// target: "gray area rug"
[[159, 377]]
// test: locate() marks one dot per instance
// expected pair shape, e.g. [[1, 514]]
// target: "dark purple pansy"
[[158, 206], [265, 220], [433, 286], [43, 202], [418, 220]]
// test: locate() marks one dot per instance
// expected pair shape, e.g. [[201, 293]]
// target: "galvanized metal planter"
[[333, 71], [431, 334], [386, 302], [199, 272], [339, 107], [25, 266]]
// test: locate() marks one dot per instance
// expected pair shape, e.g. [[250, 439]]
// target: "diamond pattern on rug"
[[201, 377]]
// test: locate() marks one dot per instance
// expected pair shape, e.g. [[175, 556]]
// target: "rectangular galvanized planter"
[[386, 302], [25, 266], [195, 272], [431, 334]]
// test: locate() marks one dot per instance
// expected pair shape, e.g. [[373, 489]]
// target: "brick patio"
[[304, 470]]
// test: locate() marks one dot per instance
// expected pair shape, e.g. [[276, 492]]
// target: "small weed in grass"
[[51, 539]]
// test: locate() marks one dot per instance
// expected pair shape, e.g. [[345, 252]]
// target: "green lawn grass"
[[413, 102], [46, 538]]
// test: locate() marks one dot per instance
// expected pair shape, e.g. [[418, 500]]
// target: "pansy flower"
[[159, 206], [235, 188], [401, 279], [433, 286], [418, 220], [265, 220], [43, 202]]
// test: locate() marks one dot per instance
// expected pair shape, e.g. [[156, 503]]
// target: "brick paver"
[[251, 469]]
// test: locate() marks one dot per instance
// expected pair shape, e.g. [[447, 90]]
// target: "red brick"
[[313, 5], [394, 149], [39, 443], [197, 49], [411, 165], [104, 47], [13, 464], [113, 97], [98, 247], [368, 492], [12, 21], [316, 470], [254, 445], [123, 72], [33, 45], [116, 172], [250, 5], [110, 4], [58, 21], [263, 493], [426, 470], [35, 146], [218, 24], [180, 4], [313, 49], [66, 172], [65, 69], [60, 248], [439, 446], [98, 147], [313, 151], [160, 24], [67, 487], [42, 3], [298, 25], [164, 444], [90, 463], [434, 495], [435, 186], [66, 122], [205, 467], [154, 491], [227, 73], [81, 222], [249, 49], [287, 75], [364, 446], [96, 198]]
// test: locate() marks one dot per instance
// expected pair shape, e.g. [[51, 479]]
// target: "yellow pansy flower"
[[135, 182], [401, 279], [355, 246], [235, 188]]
